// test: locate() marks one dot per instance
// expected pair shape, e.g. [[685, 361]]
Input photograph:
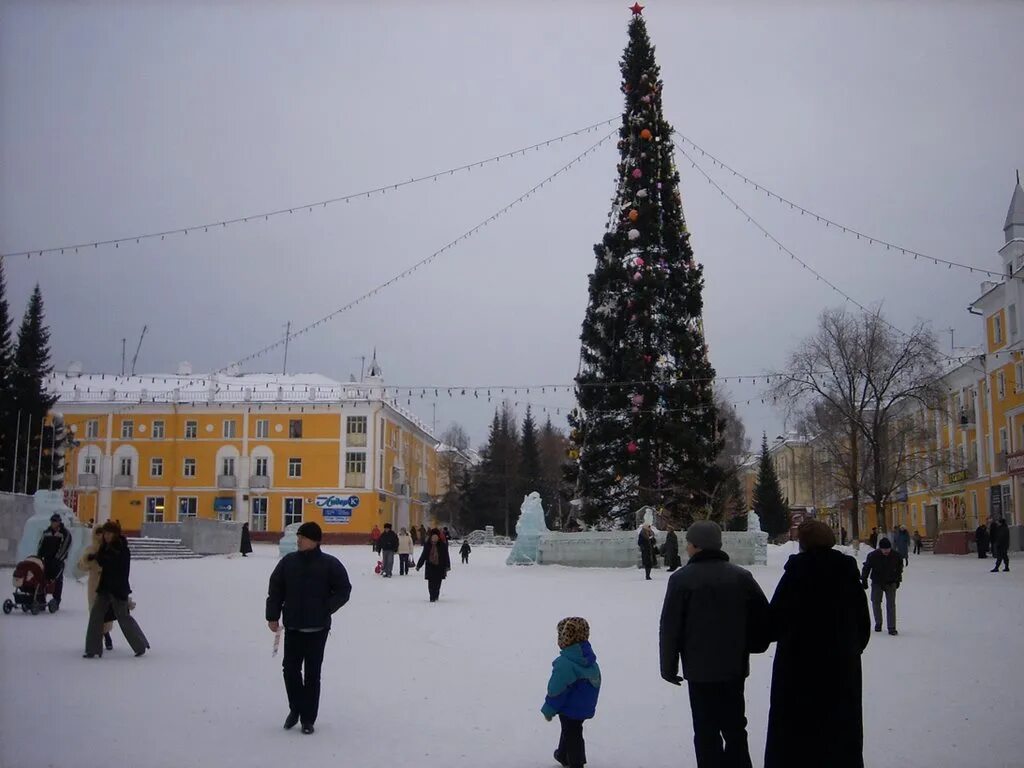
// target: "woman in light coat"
[[404, 551], [92, 568]]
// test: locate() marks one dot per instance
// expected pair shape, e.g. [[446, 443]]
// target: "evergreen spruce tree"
[[529, 457], [7, 412], [770, 505], [646, 430], [29, 395]]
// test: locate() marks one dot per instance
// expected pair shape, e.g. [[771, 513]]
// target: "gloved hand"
[[671, 677]]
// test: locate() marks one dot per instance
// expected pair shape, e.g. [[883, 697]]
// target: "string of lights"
[[308, 206], [427, 260], [821, 219]]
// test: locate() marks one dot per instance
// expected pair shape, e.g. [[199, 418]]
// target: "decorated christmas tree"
[[646, 430]]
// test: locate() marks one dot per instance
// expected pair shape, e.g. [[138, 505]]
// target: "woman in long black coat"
[[246, 546], [981, 539], [434, 558], [671, 549], [819, 618]]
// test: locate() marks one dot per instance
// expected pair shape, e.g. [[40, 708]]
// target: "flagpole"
[[39, 459], [28, 446], [14, 471], [53, 449]]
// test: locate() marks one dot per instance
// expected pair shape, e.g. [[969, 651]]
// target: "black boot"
[[108, 643], [291, 720]]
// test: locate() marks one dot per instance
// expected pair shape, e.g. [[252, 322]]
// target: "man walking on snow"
[[885, 567], [53, 551], [308, 586], [388, 544], [714, 615]]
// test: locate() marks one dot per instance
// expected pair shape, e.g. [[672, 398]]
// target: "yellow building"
[[982, 433], [267, 449]]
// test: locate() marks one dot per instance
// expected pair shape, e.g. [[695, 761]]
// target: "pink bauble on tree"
[[637, 173], [632, 447]]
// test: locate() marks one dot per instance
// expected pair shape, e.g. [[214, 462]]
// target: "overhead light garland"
[[309, 206]]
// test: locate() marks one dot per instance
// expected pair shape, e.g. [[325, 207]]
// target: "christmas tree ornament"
[[634, 215], [637, 399], [641, 193], [632, 447], [646, 134], [638, 174], [637, 277], [634, 234], [639, 262]]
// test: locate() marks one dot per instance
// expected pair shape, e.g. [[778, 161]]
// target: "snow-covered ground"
[[460, 683]]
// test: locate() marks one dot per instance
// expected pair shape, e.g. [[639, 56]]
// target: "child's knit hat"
[[572, 630]]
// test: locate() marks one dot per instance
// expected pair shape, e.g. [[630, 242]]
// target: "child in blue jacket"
[[572, 690]]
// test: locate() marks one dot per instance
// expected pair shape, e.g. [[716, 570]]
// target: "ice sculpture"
[[528, 531], [44, 504], [289, 541], [753, 521]]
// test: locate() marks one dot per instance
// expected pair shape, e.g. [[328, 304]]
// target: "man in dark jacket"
[[885, 567], [112, 594], [53, 551], [903, 543], [873, 538], [308, 585], [388, 544], [1001, 544], [713, 617], [981, 540]]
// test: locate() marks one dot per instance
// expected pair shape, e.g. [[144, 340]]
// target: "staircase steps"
[[160, 549]]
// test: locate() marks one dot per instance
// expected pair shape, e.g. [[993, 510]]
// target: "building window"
[[295, 428], [1000, 385], [158, 430], [92, 429], [997, 329], [227, 466], [380, 470], [230, 428], [189, 469], [156, 467], [292, 511], [262, 466], [355, 429], [154, 509], [258, 518], [294, 467], [127, 429], [1003, 441], [1018, 376], [262, 428], [191, 430], [1012, 319], [187, 506], [126, 466], [355, 469], [89, 465]]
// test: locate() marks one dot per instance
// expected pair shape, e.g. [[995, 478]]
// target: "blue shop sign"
[[223, 504], [337, 509]]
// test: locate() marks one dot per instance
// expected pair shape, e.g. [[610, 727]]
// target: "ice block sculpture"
[[44, 504], [529, 528]]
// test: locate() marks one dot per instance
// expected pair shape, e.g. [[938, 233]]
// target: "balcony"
[[356, 439], [259, 481], [968, 418], [88, 480], [227, 481], [124, 481]]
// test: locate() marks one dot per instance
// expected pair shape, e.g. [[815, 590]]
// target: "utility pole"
[[287, 337], [433, 422], [124, 351]]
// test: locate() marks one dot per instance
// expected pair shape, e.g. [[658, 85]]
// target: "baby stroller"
[[31, 587]]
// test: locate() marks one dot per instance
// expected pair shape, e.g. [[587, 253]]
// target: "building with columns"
[[263, 448]]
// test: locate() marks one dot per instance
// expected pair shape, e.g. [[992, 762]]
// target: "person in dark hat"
[[113, 594], [714, 616], [437, 562], [819, 621], [245, 547], [885, 567], [53, 551], [307, 586]]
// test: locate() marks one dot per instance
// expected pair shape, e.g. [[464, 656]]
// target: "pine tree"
[[646, 429], [769, 503], [529, 457], [7, 412], [29, 396]]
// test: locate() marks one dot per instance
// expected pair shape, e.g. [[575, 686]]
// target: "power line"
[[871, 239], [308, 206]]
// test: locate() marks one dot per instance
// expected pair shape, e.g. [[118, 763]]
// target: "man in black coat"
[[308, 586], [873, 538], [714, 616], [53, 551], [388, 545], [1001, 544], [885, 567], [112, 594], [981, 539]]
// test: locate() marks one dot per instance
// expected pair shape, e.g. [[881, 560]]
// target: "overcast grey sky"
[[903, 119]]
